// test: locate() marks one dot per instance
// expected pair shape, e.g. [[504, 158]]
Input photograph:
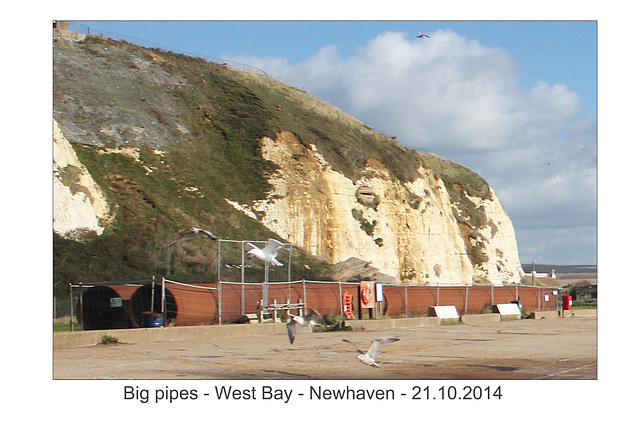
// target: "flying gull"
[[311, 318], [369, 358], [268, 253], [194, 232], [422, 36]]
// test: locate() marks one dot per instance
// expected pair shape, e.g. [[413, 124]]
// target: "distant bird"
[[194, 232], [268, 253], [311, 318], [422, 36], [369, 358]]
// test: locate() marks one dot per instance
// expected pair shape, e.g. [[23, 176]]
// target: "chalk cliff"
[[148, 143], [79, 204], [408, 231]]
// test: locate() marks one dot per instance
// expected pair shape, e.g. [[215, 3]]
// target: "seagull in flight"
[[194, 232], [422, 36], [311, 318], [268, 253], [369, 358]]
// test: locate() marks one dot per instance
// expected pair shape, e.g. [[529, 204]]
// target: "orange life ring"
[[366, 293]]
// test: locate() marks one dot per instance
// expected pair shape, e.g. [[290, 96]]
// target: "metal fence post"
[[163, 303], [340, 299], [71, 300], [539, 298], [81, 303], [466, 298], [243, 310], [219, 302], [406, 300], [304, 293]]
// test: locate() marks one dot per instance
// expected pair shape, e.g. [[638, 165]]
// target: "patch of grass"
[[108, 339], [62, 324]]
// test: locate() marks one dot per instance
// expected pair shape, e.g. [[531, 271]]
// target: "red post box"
[[567, 302]]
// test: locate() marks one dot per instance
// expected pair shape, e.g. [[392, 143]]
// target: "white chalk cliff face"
[[78, 203], [406, 230]]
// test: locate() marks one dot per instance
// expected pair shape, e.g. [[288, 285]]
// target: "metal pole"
[[81, 306], [466, 298], [304, 293], [219, 303], [438, 293], [243, 261], [533, 272], [243, 311], [164, 304], [71, 298], [539, 298], [290, 254], [340, 298], [265, 288], [220, 259], [153, 294], [406, 300]]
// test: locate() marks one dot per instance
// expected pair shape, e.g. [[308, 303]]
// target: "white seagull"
[[422, 36], [268, 253], [194, 232], [311, 318], [369, 358]]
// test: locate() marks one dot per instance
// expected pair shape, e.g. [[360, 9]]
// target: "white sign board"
[[379, 292], [116, 302], [446, 312], [508, 309]]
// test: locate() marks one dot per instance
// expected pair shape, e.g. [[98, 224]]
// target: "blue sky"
[[519, 108], [552, 51]]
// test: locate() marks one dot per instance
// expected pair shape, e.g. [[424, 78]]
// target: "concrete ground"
[[548, 348]]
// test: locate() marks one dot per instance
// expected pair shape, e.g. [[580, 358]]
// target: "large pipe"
[[106, 307]]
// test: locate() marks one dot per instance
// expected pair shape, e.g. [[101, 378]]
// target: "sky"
[[515, 101]]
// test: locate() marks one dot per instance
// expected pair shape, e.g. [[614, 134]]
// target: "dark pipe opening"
[[148, 298], [103, 308]]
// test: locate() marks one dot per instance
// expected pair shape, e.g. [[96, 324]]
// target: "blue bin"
[[152, 319]]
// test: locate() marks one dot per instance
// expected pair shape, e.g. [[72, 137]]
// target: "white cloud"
[[461, 100]]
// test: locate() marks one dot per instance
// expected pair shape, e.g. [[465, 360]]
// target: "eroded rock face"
[[79, 204], [408, 231]]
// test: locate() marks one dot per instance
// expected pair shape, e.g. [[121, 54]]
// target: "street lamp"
[[533, 273]]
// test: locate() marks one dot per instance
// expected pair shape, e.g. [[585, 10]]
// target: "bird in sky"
[[369, 358], [311, 318], [268, 253], [422, 36], [194, 232]]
